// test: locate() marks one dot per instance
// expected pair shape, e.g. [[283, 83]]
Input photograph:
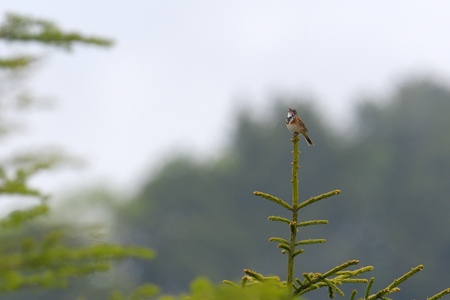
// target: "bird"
[[295, 125]]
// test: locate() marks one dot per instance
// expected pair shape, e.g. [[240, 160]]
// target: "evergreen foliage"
[[32, 254], [391, 170], [18, 28], [330, 279]]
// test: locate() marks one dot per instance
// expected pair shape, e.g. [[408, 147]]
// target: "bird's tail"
[[310, 142]]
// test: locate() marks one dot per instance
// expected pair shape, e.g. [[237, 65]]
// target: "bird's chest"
[[292, 127]]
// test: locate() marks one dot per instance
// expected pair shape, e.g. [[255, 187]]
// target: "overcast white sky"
[[177, 68]]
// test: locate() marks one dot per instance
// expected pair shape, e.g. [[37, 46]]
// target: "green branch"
[[273, 199], [340, 267], [393, 287], [440, 294], [369, 286], [16, 62], [317, 198], [293, 236], [254, 275], [279, 240], [25, 29], [310, 241], [316, 280], [279, 219], [18, 217], [295, 166], [312, 222], [398, 281]]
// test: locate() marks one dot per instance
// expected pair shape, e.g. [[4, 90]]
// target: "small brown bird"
[[295, 125]]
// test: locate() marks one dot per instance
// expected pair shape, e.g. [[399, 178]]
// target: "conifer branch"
[[293, 236], [244, 280], [312, 222], [440, 294], [279, 240], [352, 280], [254, 275], [17, 218], [295, 167], [279, 219], [340, 267], [353, 295], [369, 286], [317, 198], [286, 248], [231, 283], [356, 272], [20, 28], [398, 281], [297, 252], [273, 199], [393, 287], [16, 187], [41, 257], [332, 287], [316, 280], [310, 241], [16, 62], [283, 244]]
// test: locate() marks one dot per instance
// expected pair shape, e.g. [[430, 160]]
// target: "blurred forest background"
[[392, 165], [393, 168]]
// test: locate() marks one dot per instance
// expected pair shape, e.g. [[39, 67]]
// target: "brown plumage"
[[295, 125]]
